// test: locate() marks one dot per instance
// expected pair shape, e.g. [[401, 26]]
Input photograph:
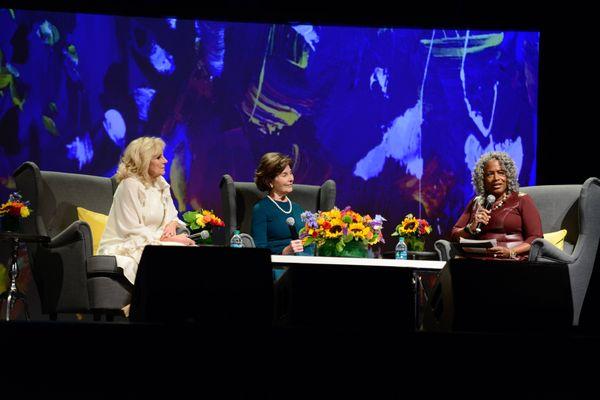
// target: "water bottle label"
[[401, 255]]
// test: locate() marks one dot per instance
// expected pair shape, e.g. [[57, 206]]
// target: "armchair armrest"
[[543, 250], [77, 231], [103, 265], [444, 250], [247, 240]]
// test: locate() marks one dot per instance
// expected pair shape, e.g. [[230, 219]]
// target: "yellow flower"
[[358, 230], [334, 214], [24, 211], [409, 225], [200, 221], [336, 229]]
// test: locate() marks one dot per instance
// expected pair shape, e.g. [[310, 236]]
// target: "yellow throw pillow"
[[97, 223], [556, 238]]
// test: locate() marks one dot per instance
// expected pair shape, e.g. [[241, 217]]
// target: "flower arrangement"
[[413, 230], [202, 221], [12, 210], [341, 232]]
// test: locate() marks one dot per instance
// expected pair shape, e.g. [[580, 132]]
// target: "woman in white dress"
[[142, 211]]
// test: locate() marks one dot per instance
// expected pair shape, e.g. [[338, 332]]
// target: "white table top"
[[375, 262]]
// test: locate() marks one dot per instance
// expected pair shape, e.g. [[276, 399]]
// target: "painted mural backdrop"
[[397, 117]]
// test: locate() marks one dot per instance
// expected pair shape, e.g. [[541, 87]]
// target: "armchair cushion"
[[556, 238], [97, 223]]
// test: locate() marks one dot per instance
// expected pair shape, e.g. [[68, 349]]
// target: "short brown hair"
[[270, 165]]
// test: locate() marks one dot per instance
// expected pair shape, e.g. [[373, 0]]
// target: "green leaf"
[[72, 54], [190, 216], [15, 96], [52, 107], [50, 125], [5, 80], [339, 247], [18, 102], [309, 240]]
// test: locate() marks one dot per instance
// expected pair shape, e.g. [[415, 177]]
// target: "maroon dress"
[[511, 224]]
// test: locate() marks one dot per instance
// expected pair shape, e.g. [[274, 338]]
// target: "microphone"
[[290, 221], [488, 204]]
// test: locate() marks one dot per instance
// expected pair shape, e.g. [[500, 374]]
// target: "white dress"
[[137, 218]]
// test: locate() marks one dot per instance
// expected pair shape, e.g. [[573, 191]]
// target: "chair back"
[[558, 206], [238, 200], [55, 196]]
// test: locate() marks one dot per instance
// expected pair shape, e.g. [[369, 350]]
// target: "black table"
[[12, 294]]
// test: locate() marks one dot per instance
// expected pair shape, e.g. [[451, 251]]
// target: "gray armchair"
[[575, 208], [238, 199], [68, 277]]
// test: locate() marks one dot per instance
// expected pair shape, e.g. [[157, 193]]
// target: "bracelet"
[[512, 254], [469, 231]]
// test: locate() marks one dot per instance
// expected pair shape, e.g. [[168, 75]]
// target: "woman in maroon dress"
[[513, 219]]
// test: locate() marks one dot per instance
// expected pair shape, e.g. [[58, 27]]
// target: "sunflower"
[[409, 225], [358, 230], [336, 230]]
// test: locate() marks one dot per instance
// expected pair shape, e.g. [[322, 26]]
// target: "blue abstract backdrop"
[[397, 117]]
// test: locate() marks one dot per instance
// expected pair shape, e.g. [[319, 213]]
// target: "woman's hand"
[[170, 230], [499, 252], [481, 215], [182, 238], [295, 246]]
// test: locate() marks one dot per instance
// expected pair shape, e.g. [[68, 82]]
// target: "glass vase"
[[353, 248], [414, 243]]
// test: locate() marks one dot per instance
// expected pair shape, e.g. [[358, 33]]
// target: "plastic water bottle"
[[401, 250], [236, 240]]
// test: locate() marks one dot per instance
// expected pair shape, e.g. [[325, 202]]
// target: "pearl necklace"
[[277, 205], [501, 202]]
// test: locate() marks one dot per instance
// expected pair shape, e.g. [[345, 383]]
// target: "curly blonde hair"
[[506, 162], [269, 166], [137, 156]]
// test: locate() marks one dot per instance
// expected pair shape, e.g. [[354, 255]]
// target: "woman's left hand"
[[181, 238], [170, 230], [499, 252]]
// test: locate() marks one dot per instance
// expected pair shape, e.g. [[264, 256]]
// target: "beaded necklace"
[[501, 202], [281, 209]]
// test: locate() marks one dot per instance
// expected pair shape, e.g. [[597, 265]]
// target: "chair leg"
[[97, 316], [110, 316], [53, 316]]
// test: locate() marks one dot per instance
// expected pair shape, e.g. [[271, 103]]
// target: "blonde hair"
[[270, 165], [137, 156]]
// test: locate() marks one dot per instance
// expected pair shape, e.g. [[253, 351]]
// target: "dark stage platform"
[[123, 359]]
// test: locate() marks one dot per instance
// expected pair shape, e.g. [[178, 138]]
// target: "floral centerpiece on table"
[[413, 230], [202, 222], [343, 233], [12, 210]]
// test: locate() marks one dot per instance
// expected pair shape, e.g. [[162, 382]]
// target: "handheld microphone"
[[488, 204], [290, 221]]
